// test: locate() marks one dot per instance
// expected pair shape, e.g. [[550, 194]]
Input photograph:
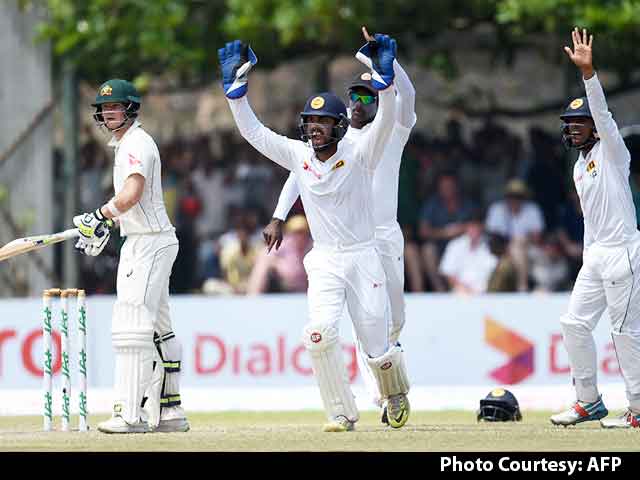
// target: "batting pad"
[[390, 372], [330, 371], [132, 338]]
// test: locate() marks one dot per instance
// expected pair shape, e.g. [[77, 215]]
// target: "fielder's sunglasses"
[[364, 99]]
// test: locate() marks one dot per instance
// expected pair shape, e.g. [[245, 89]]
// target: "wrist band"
[[98, 214], [112, 208]]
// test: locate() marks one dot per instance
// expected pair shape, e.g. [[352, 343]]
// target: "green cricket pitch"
[[302, 431]]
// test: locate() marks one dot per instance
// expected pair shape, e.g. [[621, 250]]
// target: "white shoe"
[[339, 424], [628, 419], [117, 424], [581, 412], [173, 419]]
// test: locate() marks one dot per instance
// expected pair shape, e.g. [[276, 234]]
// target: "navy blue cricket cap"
[[577, 108], [325, 104]]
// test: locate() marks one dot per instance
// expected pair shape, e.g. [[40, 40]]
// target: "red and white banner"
[[256, 341]]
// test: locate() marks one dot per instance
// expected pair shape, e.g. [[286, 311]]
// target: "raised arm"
[[379, 54], [236, 59], [288, 197], [405, 97], [276, 148], [606, 126]]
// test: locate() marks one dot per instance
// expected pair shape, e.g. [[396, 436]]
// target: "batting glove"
[[379, 55], [95, 231], [236, 59]]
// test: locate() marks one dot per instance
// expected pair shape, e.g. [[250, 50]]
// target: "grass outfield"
[[301, 431]]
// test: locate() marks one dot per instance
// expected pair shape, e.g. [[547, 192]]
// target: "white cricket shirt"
[[136, 152], [387, 173], [471, 267], [337, 193], [602, 179]]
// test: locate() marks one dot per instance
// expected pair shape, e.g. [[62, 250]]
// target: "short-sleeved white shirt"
[[528, 220], [471, 267], [136, 152]]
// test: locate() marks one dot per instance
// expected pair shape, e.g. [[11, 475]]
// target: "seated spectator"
[[237, 258], [282, 269], [549, 267], [467, 262], [571, 232], [443, 218], [504, 277], [519, 220]]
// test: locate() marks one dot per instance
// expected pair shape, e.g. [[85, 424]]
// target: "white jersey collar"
[[114, 142]]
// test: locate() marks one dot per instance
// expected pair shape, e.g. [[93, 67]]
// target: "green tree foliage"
[[181, 37], [614, 23]]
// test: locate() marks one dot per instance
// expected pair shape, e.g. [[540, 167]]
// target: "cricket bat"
[[27, 244]]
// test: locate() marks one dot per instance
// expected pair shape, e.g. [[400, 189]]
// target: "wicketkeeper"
[[335, 175]]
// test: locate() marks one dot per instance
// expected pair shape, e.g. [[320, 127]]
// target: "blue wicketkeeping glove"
[[378, 56], [236, 59]]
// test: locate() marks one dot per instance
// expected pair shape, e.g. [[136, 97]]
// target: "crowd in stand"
[[497, 214]]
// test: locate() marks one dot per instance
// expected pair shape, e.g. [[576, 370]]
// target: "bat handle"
[[71, 233]]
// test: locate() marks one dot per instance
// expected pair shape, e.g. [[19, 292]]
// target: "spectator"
[[549, 267], [282, 270], [443, 218], [237, 257], [545, 175], [467, 262], [504, 277], [521, 222], [209, 184]]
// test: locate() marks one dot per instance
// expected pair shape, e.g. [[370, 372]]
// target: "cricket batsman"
[[334, 175], [147, 353], [363, 104], [611, 256]]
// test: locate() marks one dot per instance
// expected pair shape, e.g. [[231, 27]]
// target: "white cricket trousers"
[[142, 308], [143, 274], [608, 280], [353, 276], [390, 246]]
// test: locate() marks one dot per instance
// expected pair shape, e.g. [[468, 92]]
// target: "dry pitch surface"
[[301, 431]]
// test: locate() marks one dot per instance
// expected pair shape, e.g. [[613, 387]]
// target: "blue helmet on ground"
[[499, 405], [325, 104]]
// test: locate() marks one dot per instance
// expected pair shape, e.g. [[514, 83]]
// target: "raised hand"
[[581, 55], [378, 54], [236, 59]]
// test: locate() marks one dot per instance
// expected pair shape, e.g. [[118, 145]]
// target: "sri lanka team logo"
[[519, 350]]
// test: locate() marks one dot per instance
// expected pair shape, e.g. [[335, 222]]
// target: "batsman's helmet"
[[117, 91], [578, 108], [499, 406], [325, 105]]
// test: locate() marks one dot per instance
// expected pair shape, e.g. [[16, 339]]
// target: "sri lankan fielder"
[[335, 175], [147, 354], [389, 239], [611, 257]]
